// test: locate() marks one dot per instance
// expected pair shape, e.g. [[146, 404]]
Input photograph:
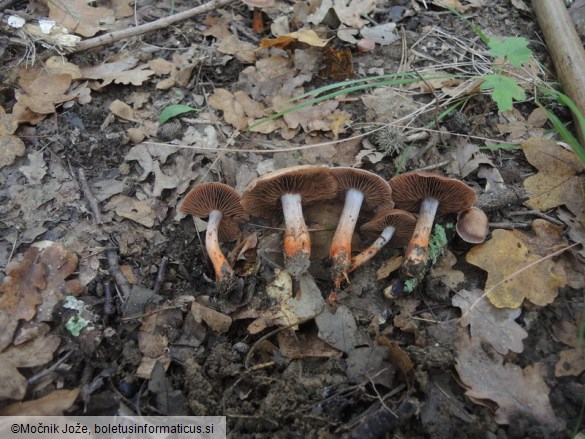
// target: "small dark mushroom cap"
[[404, 223], [377, 192], [472, 225], [408, 190], [204, 198], [314, 183]]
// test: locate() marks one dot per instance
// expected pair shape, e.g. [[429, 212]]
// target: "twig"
[[116, 272], [160, 278], [93, 203], [435, 166], [538, 214], [149, 27], [508, 225]]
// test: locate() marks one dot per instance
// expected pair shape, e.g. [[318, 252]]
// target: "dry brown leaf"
[[240, 111], [79, 17], [123, 111], [298, 345], [242, 50], [444, 272], [36, 168], [120, 72], [217, 321], [41, 90], [349, 12], [571, 362], [516, 391], [558, 181], [153, 341], [494, 325], [58, 65], [53, 404], [505, 254], [388, 267], [10, 145], [133, 209]]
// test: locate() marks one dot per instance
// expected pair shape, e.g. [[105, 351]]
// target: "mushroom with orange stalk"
[[364, 190], [288, 190], [429, 195], [257, 20], [472, 225], [394, 227], [219, 203]]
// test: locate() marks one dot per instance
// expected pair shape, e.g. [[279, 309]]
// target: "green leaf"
[[515, 49], [504, 90], [173, 111]]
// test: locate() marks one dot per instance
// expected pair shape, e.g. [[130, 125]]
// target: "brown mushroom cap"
[[313, 183], [472, 225], [204, 198], [377, 192], [408, 190], [404, 223]]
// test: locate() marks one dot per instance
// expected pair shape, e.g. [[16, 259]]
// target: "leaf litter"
[[140, 193]]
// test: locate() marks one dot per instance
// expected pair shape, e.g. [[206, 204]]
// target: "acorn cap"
[[204, 198], [377, 192], [404, 223], [314, 183], [472, 225], [408, 191]]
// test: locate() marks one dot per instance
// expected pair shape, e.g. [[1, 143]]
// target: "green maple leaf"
[[515, 49], [504, 90]]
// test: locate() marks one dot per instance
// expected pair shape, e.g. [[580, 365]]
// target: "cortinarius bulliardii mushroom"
[[472, 225], [363, 190], [219, 203], [429, 195], [287, 190], [393, 227]]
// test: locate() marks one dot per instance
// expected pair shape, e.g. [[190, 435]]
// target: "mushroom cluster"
[[388, 206]]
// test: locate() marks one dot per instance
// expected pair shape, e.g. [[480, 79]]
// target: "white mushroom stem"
[[297, 243], [368, 253], [416, 253], [220, 264], [340, 251]]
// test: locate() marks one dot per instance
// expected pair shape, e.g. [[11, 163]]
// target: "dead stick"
[[565, 49], [149, 27], [93, 203]]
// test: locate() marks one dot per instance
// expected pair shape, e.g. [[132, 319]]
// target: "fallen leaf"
[[133, 209], [36, 169], [444, 272], [571, 362], [41, 90], [338, 329], [383, 34], [122, 71], [505, 254], [494, 325], [296, 345], [239, 110], [516, 391], [80, 17], [370, 363], [337, 64], [10, 145], [217, 321], [558, 181], [349, 12], [53, 404]]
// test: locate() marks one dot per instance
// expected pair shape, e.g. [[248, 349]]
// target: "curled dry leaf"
[[41, 90], [495, 325], [559, 181], [80, 17], [53, 404], [503, 257]]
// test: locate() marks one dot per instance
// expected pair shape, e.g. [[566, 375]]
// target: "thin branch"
[[161, 23]]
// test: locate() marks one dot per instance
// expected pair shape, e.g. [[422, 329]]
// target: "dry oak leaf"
[[133, 209], [504, 255], [10, 145], [121, 72], [571, 361], [53, 404], [41, 90], [516, 391], [558, 181], [79, 17], [494, 325], [240, 111]]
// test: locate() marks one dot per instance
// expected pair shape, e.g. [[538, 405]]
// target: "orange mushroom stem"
[[297, 243], [223, 272], [340, 251], [416, 254], [371, 251]]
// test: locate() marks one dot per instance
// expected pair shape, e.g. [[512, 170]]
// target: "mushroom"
[[363, 190], [258, 21], [429, 195], [219, 203], [393, 227], [287, 190], [472, 225]]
